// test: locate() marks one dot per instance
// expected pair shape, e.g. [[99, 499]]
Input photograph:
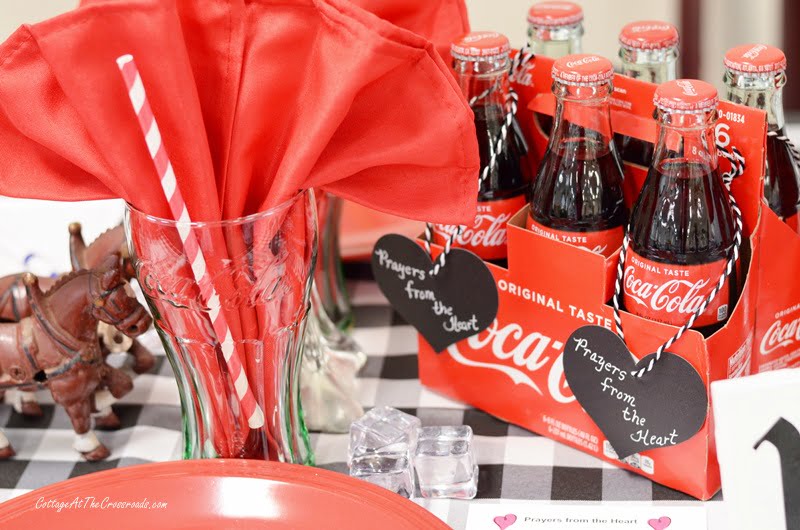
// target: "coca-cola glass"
[[577, 195], [481, 63], [682, 227], [239, 394]]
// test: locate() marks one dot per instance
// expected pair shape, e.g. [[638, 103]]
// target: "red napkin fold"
[[439, 21], [256, 100]]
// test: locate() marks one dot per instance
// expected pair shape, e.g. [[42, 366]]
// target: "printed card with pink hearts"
[[613, 516]]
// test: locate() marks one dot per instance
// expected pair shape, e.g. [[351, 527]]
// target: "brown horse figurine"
[[58, 345], [112, 241], [14, 306], [14, 303]]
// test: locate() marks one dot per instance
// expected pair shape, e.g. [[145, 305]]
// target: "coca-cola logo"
[[168, 284], [687, 87], [780, 335], [584, 60], [671, 296], [488, 231], [519, 356], [523, 76], [754, 52], [254, 279]]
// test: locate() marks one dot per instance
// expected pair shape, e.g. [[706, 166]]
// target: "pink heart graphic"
[[505, 521], [661, 523]]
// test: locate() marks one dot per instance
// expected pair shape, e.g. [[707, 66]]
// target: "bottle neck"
[[556, 41], [582, 122], [686, 138], [484, 82], [760, 91], [655, 66]]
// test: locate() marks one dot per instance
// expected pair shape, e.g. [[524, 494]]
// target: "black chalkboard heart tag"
[[665, 407], [458, 302]]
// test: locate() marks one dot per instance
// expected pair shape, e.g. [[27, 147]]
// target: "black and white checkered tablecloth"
[[515, 464]]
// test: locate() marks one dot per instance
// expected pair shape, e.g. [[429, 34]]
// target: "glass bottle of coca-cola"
[[682, 226], [555, 29], [648, 51], [481, 62], [577, 195], [754, 76]]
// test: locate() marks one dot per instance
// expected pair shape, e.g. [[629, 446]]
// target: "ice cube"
[[388, 470], [383, 429], [445, 463]]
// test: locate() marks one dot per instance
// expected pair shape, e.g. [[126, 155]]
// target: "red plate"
[[216, 494]]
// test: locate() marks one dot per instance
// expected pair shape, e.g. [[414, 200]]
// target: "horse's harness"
[[14, 292], [75, 352]]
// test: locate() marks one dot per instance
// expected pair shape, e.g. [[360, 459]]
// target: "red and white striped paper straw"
[[191, 245]]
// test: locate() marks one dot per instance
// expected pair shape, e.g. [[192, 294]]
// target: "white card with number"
[[757, 429], [606, 516]]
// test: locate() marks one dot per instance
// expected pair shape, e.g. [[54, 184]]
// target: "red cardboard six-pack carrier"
[[777, 336], [513, 369]]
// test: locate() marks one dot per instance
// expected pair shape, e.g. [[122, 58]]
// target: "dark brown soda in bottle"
[[577, 196], [682, 226], [482, 64], [754, 76]]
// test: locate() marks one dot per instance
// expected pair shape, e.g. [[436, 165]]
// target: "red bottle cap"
[[480, 44], [686, 95], [756, 59], [648, 35], [555, 14], [583, 68]]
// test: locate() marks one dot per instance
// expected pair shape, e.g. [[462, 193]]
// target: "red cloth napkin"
[[439, 21], [255, 99]]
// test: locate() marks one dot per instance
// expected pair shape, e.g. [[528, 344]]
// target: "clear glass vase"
[[329, 375], [332, 358], [330, 303], [329, 276], [256, 277]]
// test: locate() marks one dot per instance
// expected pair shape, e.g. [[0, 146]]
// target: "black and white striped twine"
[[737, 168], [785, 139], [495, 149]]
